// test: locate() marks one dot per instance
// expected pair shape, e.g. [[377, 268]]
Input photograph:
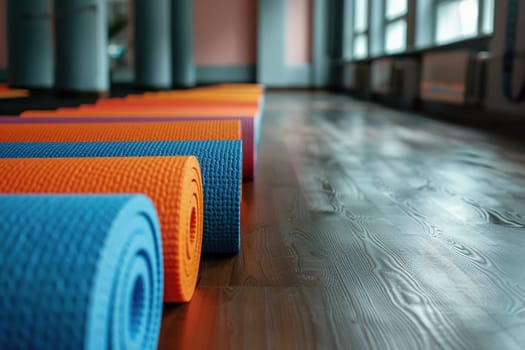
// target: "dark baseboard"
[[81, 94]]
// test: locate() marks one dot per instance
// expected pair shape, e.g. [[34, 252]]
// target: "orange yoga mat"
[[151, 111], [7, 92], [213, 95], [197, 98], [236, 86], [200, 95], [220, 93], [172, 103], [132, 131], [173, 184], [225, 88], [146, 106], [208, 97]]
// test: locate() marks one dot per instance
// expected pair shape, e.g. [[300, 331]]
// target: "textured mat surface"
[[247, 132], [173, 183], [202, 94], [220, 163], [79, 272], [64, 132], [141, 103], [147, 111]]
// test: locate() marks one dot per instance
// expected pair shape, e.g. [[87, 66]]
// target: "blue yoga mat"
[[221, 166], [79, 272]]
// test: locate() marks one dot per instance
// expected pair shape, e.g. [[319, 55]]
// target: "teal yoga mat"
[[79, 272], [221, 166]]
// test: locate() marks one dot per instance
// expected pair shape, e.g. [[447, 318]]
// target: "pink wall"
[[299, 32], [225, 32], [3, 35]]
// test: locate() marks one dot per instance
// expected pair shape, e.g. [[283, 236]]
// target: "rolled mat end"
[[80, 271], [182, 272], [174, 185]]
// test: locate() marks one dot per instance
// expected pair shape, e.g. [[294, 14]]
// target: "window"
[[384, 27], [395, 36], [395, 8], [395, 25], [461, 19], [360, 46]]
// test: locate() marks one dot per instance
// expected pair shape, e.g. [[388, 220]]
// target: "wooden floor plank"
[[367, 228]]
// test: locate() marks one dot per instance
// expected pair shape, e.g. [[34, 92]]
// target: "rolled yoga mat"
[[113, 102], [131, 111], [133, 131], [240, 96], [14, 93], [238, 93], [80, 272], [173, 184], [200, 96], [220, 162], [209, 95], [7, 92], [224, 95], [64, 129]]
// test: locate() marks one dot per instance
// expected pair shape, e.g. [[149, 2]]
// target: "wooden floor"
[[367, 228]]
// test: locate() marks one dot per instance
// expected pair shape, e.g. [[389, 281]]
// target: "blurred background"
[[430, 54]]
